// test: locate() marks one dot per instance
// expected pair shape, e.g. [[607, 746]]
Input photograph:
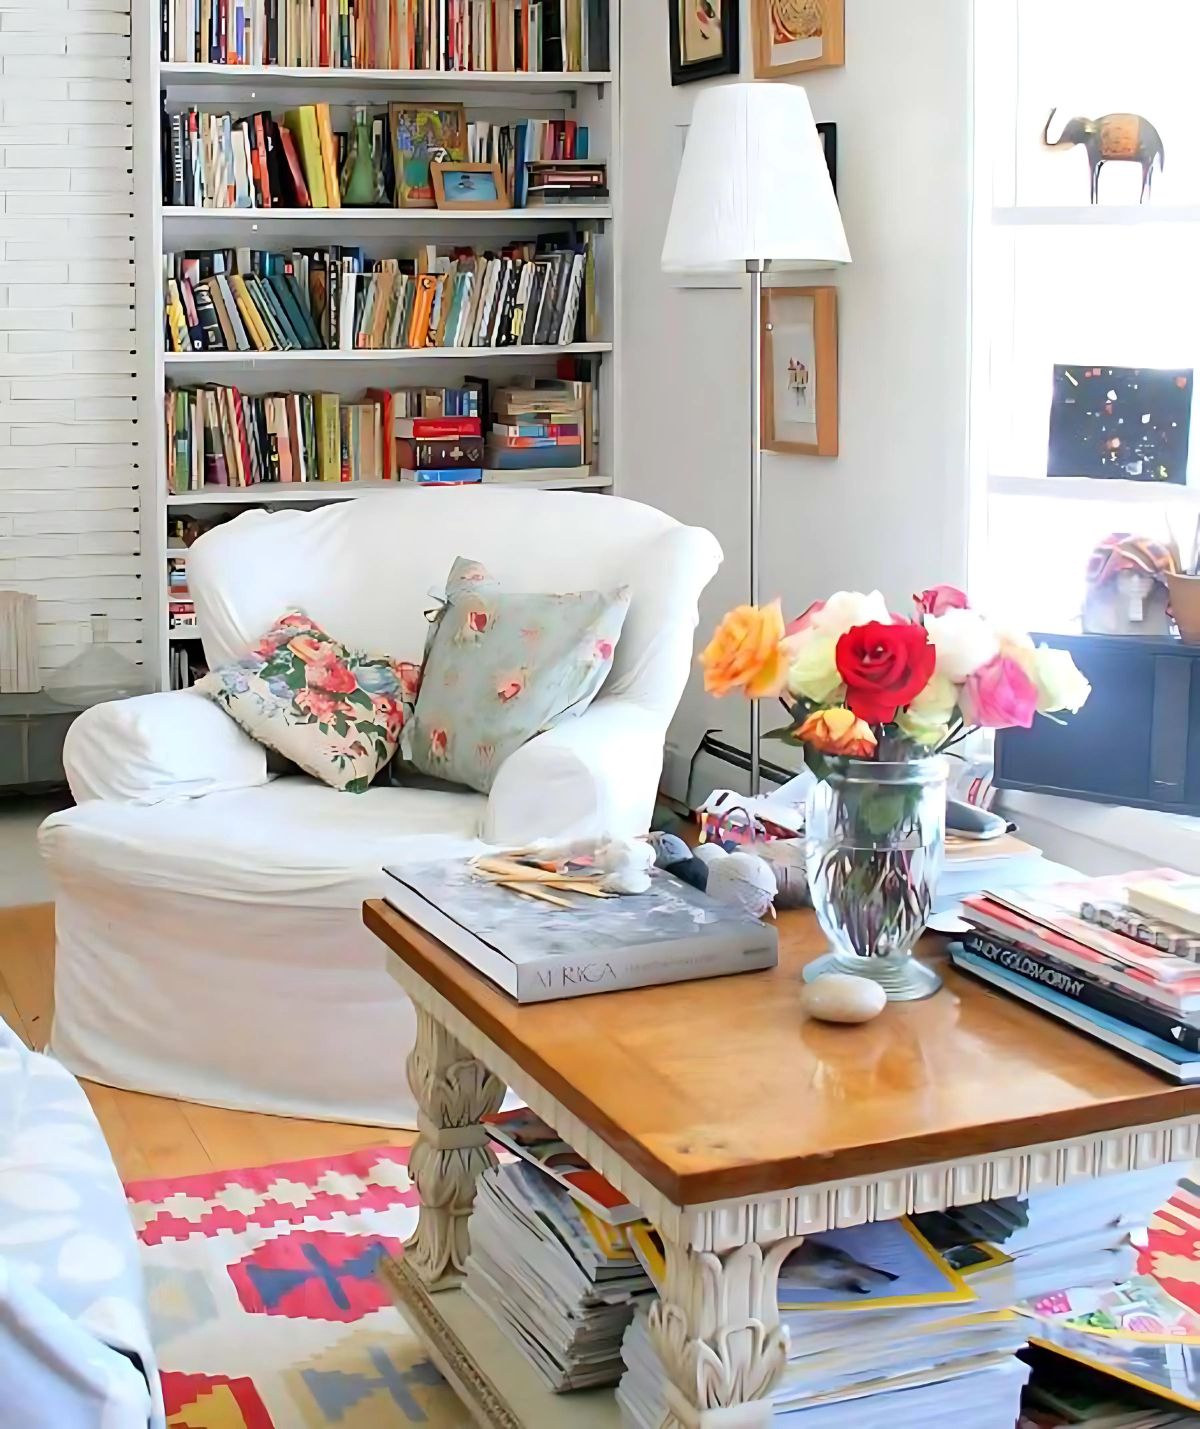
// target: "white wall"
[[69, 521], [891, 510]]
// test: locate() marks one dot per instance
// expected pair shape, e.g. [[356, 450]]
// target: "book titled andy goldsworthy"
[[537, 952]]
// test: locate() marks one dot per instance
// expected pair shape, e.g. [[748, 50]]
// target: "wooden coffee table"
[[738, 1127]]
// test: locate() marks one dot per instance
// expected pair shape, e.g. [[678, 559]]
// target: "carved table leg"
[[454, 1092], [717, 1332]]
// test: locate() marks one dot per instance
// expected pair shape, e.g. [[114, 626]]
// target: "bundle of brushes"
[[546, 870]]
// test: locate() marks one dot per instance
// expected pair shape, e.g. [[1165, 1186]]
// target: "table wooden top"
[[725, 1088]]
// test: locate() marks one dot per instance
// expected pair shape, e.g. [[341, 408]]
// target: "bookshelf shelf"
[[182, 361], [297, 493], [362, 81], [382, 219], [590, 98], [1093, 216]]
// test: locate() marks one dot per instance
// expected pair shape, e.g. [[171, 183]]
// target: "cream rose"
[[846, 609], [1060, 685], [813, 674], [964, 642], [927, 719]]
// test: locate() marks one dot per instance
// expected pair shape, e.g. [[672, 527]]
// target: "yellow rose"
[[814, 673], [838, 731], [746, 653], [1060, 685]]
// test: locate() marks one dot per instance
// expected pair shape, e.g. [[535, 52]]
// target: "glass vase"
[[361, 178], [875, 839]]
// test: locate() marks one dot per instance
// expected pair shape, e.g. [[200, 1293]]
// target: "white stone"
[[839, 997]]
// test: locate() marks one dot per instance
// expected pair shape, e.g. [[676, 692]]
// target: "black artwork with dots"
[[1121, 423]]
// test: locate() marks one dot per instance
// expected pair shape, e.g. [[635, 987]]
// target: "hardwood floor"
[[155, 1136]]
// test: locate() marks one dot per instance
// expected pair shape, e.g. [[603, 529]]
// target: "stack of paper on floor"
[[911, 1320], [561, 1283]]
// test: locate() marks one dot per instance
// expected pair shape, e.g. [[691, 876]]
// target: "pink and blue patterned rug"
[[265, 1307]]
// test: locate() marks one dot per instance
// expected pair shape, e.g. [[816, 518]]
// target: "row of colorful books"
[[246, 301], [899, 1324], [215, 159], [1117, 958], [219, 436], [491, 35]]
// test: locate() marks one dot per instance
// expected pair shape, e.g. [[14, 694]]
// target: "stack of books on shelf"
[[561, 183], [493, 35], [911, 1323], [1086, 954], [540, 431], [439, 451], [181, 609], [335, 298]]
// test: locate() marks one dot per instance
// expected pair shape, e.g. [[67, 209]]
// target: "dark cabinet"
[[1136, 741]]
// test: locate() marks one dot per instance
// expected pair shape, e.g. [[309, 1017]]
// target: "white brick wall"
[[70, 452]]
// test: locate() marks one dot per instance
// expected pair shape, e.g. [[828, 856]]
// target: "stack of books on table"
[[540, 431], [559, 183], [908, 1324], [1082, 953], [561, 1283]]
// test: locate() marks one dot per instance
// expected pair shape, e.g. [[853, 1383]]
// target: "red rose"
[[884, 667]]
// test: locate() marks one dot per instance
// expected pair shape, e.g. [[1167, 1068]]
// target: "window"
[[1059, 281]]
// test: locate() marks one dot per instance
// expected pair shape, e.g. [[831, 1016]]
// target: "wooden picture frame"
[[684, 20], [420, 135], [460, 185], [799, 411], [790, 36]]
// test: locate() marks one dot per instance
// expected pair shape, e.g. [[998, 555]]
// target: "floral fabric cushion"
[[501, 668], [335, 712]]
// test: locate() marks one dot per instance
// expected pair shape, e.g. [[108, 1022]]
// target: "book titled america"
[[538, 952]]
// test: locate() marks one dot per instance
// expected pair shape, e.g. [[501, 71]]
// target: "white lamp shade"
[[753, 184]]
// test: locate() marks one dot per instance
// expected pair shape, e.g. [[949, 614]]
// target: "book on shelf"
[[537, 953], [442, 476], [335, 298], [216, 159], [533, 36]]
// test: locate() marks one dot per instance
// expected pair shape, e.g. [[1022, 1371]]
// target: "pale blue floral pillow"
[[501, 668]]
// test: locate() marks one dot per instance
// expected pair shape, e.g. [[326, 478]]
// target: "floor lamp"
[[753, 190]]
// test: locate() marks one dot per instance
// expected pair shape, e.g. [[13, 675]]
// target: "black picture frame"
[[828, 133], [728, 62]]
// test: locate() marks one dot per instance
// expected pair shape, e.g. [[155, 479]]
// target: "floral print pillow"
[[335, 712], [501, 668]]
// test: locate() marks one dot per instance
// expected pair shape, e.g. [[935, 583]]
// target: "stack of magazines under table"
[[1084, 953]]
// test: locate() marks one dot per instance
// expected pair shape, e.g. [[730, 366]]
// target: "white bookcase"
[[591, 98]]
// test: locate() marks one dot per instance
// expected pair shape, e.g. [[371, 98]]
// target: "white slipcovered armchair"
[[209, 935]]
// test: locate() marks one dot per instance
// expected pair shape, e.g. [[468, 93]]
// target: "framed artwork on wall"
[[705, 39], [794, 35], [800, 371]]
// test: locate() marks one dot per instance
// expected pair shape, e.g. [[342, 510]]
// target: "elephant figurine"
[[1112, 137]]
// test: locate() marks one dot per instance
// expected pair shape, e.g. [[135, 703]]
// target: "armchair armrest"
[[152, 748], [595, 776]]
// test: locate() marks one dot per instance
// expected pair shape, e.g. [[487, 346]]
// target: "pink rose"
[[938, 599], [604, 649], [410, 681], [999, 695], [439, 743], [318, 703], [392, 714], [478, 621], [330, 674], [510, 686]]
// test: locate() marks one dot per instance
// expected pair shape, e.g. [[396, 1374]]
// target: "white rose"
[[814, 673], [963, 640], [1060, 686], [846, 609]]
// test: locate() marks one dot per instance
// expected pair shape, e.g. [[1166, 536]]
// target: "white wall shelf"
[[591, 98], [1093, 215], [358, 81], [182, 361]]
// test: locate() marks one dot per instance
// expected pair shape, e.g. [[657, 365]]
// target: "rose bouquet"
[[862, 683], [874, 699]]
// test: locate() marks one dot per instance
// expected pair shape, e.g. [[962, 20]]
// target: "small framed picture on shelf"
[[423, 135], [800, 371], [705, 39], [459, 185], [790, 36]]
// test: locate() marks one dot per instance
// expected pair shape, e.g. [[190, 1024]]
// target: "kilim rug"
[[265, 1308], [1172, 1253]]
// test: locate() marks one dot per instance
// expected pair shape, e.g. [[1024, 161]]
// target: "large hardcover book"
[[538, 953]]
